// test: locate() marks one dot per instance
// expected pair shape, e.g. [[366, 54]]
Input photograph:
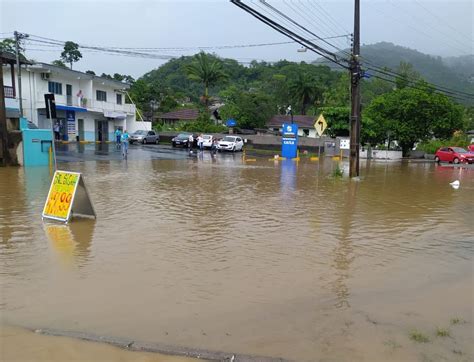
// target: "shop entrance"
[[101, 131]]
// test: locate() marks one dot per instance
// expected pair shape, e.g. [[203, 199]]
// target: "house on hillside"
[[175, 117], [305, 124], [89, 108]]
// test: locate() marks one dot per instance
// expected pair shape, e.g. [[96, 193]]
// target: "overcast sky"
[[440, 27]]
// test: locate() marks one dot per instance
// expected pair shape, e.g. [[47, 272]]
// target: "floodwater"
[[267, 259]]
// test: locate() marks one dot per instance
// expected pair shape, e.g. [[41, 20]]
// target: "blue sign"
[[231, 123], [289, 140]]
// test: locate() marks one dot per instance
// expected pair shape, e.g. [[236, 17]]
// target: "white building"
[[89, 108]]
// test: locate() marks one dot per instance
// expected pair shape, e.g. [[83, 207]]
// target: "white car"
[[231, 143], [207, 140]]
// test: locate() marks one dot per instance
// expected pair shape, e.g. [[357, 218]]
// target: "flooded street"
[[267, 259]]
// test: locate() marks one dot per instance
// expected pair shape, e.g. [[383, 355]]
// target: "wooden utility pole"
[[18, 37], [355, 95], [4, 153]]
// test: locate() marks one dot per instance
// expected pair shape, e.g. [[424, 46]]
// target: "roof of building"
[[48, 68], [184, 114], [301, 120], [10, 58]]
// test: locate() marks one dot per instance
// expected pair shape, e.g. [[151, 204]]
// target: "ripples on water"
[[194, 237]]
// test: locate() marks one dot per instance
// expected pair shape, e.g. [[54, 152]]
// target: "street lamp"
[[289, 112]]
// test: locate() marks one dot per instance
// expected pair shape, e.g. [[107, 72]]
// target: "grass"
[[442, 332], [337, 172], [456, 320], [419, 337]]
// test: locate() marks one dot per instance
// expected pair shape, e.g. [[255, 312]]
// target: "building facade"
[[89, 108]]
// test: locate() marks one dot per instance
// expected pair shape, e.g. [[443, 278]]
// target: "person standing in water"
[[124, 138], [118, 137]]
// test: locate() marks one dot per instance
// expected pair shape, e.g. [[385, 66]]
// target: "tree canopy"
[[71, 53]]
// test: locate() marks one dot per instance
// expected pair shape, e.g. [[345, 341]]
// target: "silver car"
[[144, 137]]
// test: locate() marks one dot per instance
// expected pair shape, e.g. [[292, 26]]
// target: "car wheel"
[[456, 160], [144, 141], [437, 159], [173, 144]]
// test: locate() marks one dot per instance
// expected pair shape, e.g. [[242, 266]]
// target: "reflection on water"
[[268, 258], [72, 242]]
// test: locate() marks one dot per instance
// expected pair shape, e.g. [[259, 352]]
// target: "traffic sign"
[[320, 125]]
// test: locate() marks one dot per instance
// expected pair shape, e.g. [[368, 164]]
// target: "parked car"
[[231, 143], [454, 155], [182, 140], [144, 137], [207, 140]]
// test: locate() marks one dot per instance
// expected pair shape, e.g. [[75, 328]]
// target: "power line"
[[442, 21], [299, 39], [322, 21], [418, 30]]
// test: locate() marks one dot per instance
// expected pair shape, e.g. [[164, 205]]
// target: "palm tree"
[[206, 70], [304, 90]]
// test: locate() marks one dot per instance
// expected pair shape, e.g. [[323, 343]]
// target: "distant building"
[[89, 108], [175, 117], [305, 124]]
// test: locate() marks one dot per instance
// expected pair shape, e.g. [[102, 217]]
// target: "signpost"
[[67, 196], [289, 140], [320, 126]]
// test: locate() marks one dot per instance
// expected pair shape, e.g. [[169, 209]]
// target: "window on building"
[[305, 132], [101, 96], [55, 88], [119, 98]]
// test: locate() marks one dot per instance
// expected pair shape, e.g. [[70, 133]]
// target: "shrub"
[[458, 139]]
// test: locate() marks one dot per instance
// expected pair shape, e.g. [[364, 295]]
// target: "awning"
[[113, 114], [70, 108]]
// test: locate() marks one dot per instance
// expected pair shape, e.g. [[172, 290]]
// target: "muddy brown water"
[[264, 258]]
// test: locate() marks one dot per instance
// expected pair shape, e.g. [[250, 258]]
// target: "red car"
[[454, 155]]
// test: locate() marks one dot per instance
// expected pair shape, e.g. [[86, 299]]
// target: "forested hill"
[[455, 72]]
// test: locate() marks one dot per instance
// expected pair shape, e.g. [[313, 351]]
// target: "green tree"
[[249, 109], [304, 90], [407, 75], [8, 45], [59, 63], [90, 72], [337, 119], [414, 114], [71, 53], [208, 72]]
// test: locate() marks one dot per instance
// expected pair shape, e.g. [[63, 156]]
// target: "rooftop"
[[185, 114], [301, 120]]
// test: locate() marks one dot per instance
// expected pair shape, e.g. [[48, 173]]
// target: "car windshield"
[[229, 139], [183, 135], [207, 137], [140, 132], [459, 150]]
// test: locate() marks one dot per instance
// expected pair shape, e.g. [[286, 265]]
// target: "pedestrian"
[[214, 147], [56, 129], [200, 142], [124, 139], [190, 143], [118, 137]]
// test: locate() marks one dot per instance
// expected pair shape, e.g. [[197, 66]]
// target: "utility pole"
[[18, 37], [355, 95], [4, 153]]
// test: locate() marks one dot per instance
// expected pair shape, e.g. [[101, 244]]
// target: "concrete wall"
[[382, 155]]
